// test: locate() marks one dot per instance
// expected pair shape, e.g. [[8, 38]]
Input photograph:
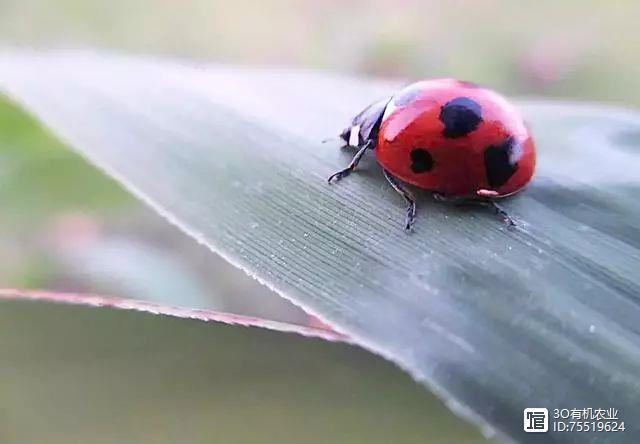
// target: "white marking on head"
[[354, 135]]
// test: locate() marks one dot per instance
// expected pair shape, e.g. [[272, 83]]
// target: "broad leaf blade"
[[98, 301], [76, 374], [98, 238], [494, 320]]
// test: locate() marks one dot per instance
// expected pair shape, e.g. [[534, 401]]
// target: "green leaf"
[[72, 374], [492, 319], [98, 238]]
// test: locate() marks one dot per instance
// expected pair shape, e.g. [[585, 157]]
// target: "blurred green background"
[[64, 226], [105, 376], [586, 49]]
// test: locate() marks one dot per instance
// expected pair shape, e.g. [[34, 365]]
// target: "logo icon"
[[536, 420]]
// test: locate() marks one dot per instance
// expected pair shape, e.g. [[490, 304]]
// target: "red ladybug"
[[455, 139]]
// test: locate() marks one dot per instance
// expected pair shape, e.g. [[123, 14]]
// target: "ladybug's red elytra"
[[460, 141]]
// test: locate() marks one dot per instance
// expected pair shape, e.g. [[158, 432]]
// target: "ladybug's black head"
[[364, 127], [344, 135]]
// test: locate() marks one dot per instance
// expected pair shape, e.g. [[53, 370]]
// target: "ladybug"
[[462, 142]]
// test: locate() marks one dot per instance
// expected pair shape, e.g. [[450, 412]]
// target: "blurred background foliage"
[[80, 375], [586, 49]]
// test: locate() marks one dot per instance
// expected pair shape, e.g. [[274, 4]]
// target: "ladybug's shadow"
[[369, 170], [431, 202]]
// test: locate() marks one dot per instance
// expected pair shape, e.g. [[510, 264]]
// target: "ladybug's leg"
[[352, 165], [500, 212], [408, 197], [497, 209]]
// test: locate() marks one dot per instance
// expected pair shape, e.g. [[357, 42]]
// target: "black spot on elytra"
[[406, 96], [421, 161], [460, 116], [498, 162]]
